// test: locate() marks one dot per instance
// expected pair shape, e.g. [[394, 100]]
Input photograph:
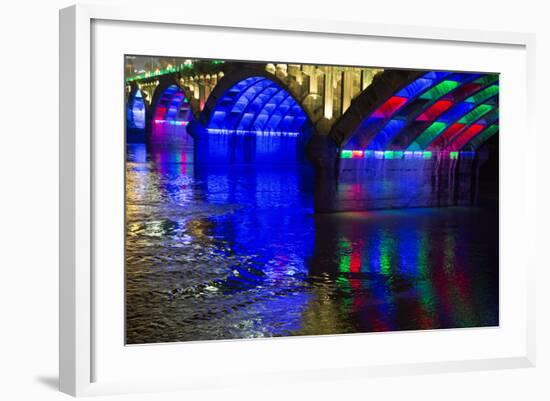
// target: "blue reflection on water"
[[235, 251]]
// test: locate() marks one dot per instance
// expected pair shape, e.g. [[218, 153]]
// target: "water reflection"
[[216, 252]]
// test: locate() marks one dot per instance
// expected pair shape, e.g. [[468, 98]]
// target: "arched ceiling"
[[436, 112]]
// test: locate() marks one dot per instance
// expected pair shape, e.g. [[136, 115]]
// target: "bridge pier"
[[390, 183], [322, 151]]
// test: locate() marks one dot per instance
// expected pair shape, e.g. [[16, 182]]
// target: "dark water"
[[237, 252]]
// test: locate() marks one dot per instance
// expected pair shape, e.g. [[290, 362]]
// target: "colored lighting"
[[404, 155], [456, 112], [172, 122], [466, 90], [415, 87], [346, 154], [447, 136], [428, 135], [440, 90], [466, 136], [186, 66], [487, 79], [219, 131], [476, 113], [478, 140], [436, 75], [389, 107], [136, 111], [489, 118], [484, 94], [463, 76], [386, 134], [434, 110], [257, 106], [171, 107]]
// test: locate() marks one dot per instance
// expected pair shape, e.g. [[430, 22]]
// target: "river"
[[227, 252]]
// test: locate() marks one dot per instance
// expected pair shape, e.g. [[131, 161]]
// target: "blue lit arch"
[[257, 105], [251, 117], [170, 115], [136, 110]]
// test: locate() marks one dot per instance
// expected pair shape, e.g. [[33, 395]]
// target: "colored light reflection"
[[392, 267], [290, 272]]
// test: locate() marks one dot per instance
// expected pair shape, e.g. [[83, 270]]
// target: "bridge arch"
[[435, 111], [355, 127], [252, 116], [170, 114], [137, 114]]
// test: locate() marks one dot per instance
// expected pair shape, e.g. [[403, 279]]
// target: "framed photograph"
[[292, 199]]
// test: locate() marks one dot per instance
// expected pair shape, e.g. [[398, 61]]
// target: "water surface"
[[223, 252]]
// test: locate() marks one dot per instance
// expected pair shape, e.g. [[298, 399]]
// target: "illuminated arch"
[[136, 110], [355, 128], [257, 105], [444, 98], [456, 133], [170, 115], [433, 111], [251, 112]]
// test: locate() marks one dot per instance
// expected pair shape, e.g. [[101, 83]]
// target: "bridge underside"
[[253, 120], [409, 139], [413, 139]]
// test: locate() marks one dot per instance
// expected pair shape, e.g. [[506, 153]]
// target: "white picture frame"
[[79, 346]]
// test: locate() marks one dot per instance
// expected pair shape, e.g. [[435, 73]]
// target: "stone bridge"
[[377, 138]]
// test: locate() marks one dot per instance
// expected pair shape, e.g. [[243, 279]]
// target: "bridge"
[[378, 138]]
